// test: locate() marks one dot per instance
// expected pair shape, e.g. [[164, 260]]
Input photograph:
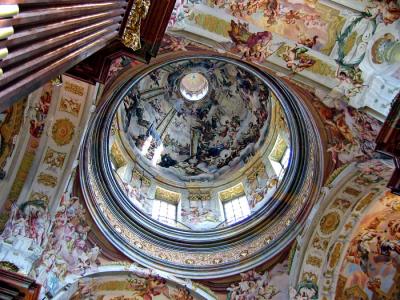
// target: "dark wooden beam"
[[16, 286]]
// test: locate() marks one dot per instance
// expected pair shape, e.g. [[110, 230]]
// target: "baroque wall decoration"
[[63, 131], [348, 199], [371, 261], [70, 105], [11, 121], [277, 32], [67, 251], [47, 179], [329, 222], [40, 102], [71, 109], [54, 158]]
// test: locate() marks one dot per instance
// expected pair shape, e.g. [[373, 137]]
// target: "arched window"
[[165, 205], [279, 156], [235, 204]]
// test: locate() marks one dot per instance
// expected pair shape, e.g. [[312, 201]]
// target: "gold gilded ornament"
[[70, 106], [8, 266], [232, 193], [329, 222], [131, 35], [63, 131], [166, 195], [54, 158], [47, 179], [314, 261], [335, 255]]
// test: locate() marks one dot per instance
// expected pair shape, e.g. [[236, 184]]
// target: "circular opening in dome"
[[194, 86]]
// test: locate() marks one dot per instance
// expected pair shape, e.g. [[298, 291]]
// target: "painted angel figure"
[[297, 60]]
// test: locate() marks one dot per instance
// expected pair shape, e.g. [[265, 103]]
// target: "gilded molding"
[[141, 177], [278, 150], [199, 195], [131, 34], [117, 155], [232, 193], [257, 170], [169, 196]]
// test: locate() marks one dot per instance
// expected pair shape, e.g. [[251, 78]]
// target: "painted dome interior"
[[199, 144]]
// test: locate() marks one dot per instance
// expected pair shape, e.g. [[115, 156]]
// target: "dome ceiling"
[[154, 119], [195, 120]]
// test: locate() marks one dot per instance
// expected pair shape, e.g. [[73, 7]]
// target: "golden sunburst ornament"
[[63, 131]]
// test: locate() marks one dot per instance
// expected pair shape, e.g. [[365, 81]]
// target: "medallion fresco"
[[63, 131], [197, 140], [371, 267]]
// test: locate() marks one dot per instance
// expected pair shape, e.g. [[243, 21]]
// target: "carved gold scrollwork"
[[232, 193], [199, 195], [169, 196], [131, 35]]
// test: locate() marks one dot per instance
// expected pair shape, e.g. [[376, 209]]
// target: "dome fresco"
[[185, 140], [206, 158]]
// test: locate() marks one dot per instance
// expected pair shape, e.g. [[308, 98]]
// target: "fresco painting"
[[200, 218], [118, 64], [11, 121], [133, 286], [387, 11], [200, 140], [68, 251], [261, 188], [279, 32], [371, 268], [353, 132], [290, 19], [272, 284], [37, 119]]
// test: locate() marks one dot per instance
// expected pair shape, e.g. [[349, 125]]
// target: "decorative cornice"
[[169, 196], [232, 193], [196, 195]]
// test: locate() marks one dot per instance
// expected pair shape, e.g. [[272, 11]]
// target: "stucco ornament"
[[306, 290], [329, 222], [63, 131]]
